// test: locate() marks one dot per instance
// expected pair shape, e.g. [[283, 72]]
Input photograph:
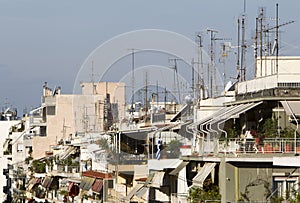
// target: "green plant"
[[64, 192], [38, 166], [85, 196], [103, 144], [276, 199], [269, 127], [208, 192], [174, 149], [232, 133], [28, 159], [287, 132]]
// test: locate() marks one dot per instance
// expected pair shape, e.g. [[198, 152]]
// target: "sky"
[[49, 41]]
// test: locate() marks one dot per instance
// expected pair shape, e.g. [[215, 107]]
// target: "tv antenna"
[[176, 79], [212, 66]]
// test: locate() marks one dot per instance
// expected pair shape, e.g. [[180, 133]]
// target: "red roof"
[[96, 174]]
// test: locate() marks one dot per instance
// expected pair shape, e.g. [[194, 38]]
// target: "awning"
[[141, 192], [73, 189], [67, 153], [203, 173], [86, 183], [291, 107], [181, 112], [32, 183], [179, 168], [133, 191], [47, 182], [235, 111], [97, 186], [203, 120], [157, 180], [70, 186], [227, 113], [149, 179]]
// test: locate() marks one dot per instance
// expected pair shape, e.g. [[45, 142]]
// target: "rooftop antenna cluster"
[[262, 37], [212, 81]]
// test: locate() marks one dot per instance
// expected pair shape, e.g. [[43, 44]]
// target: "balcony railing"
[[68, 169], [268, 145]]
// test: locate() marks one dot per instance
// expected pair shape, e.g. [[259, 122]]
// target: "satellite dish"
[[188, 99]]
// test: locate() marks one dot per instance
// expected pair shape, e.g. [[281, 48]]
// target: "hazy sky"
[[49, 40]]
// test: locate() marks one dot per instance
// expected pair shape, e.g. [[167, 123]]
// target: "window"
[[289, 84], [51, 110], [284, 186], [20, 147]]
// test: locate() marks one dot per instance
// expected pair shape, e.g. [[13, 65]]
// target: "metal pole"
[[132, 81]]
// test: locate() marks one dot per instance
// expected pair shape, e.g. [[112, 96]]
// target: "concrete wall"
[[73, 113], [250, 180], [257, 84], [266, 74], [286, 65]]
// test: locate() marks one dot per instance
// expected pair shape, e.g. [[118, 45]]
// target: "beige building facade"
[[67, 115]]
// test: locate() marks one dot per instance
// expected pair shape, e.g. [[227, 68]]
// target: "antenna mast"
[[200, 69], [260, 38], [193, 77], [212, 63], [146, 96], [238, 53], [176, 84], [244, 46], [132, 80], [255, 46]]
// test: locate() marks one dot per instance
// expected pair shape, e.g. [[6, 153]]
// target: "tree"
[[38, 166], [209, 191], [173, 149], [103, 143], [269, 128]]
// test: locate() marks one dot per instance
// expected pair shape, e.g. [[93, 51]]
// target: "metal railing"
[[268, 145]]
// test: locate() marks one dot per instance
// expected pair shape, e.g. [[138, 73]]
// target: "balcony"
[[128, 159], [65, 171], [37, 121], [254, 146]]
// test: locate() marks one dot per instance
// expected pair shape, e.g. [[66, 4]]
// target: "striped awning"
[[66, 153], [32, 183], [203, 173], [157, 180], [97, 186], [140, 193], [179, 168], [133, 191], [73, 189], [86, 183], [47, 182]]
